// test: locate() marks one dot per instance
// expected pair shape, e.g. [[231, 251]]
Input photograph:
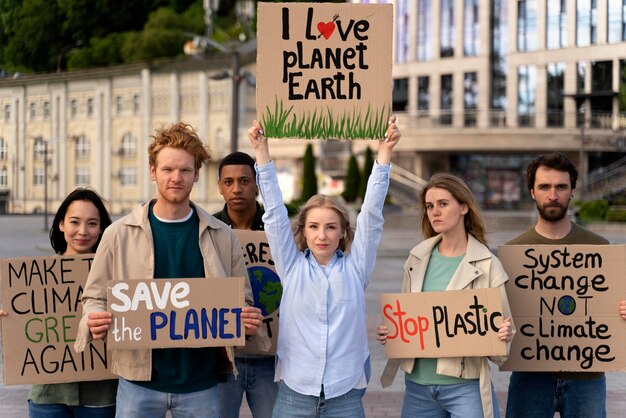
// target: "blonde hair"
[[472, 220], [178, 135], [327, 202]]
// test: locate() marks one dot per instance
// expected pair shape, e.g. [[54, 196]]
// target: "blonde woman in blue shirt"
[[322, 360]]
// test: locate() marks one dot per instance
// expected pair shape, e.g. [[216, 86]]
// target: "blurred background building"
[[480, 87]]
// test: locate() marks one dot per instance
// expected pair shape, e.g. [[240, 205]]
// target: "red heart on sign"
[[326, 29]]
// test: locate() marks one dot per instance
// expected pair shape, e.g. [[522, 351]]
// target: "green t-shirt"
[[177, 255], [439, 272]]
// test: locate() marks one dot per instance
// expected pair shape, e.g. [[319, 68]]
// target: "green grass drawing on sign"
[[283, 123]]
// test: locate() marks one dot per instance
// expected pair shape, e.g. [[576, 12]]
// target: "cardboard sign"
[[265, 284], [453, 323], [42, 296], [324, 70], [169, 313], [564, 300]]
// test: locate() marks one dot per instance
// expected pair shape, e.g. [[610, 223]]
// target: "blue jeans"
[[256, 380], [58, 410], [540, 394], [136, 401], [291, 404], [445, 401]]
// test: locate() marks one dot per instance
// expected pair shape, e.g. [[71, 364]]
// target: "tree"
[[353, 178], [309, 183], [367, 170]]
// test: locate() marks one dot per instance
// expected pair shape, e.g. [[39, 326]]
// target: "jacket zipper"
[[462, 367]]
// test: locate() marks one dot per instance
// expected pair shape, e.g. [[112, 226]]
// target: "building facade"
[[482, 86]]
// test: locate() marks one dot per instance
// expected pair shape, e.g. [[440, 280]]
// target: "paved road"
[[24, 235]]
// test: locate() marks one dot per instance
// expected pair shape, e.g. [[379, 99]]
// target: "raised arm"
[[259, 143], [385, 146]]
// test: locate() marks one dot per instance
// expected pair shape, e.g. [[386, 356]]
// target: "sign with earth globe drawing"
[[265, 283]]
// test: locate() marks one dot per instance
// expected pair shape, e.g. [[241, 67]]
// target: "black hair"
[[57, 238], [236, 158]]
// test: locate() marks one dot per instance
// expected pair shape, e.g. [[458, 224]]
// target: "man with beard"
[[551, 180]]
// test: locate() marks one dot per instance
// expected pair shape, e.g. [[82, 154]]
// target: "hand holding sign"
[[622, 309], [99, 323], [504, 332], [252, 319]]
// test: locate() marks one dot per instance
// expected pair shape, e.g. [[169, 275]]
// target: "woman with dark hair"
[[453, 256], [76, 229]]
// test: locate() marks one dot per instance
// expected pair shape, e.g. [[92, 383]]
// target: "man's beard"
[[548, 212]]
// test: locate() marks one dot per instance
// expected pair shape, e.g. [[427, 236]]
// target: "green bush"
[[616, 215], [353, 179], [293, 207], [594, 210], [309, 179], [368, 164]]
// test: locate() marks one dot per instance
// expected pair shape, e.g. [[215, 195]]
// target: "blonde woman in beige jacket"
[[453, 256]]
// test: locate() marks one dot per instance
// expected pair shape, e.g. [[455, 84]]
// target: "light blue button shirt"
[[322, 338]]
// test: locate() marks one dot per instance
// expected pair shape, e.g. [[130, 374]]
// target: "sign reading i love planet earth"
[[324, 70]]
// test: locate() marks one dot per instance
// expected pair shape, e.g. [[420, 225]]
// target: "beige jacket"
[[478, 269], [126, 252]]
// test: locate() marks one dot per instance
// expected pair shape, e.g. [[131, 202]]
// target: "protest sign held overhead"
[[453, 323], [564, 300], [169, 313], [324, 70], [42, 296], [266, 287]]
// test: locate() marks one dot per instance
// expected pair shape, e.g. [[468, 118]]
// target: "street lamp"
[[64, 50], [200, 44]]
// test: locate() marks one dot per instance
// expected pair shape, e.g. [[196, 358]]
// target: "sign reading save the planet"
[[324, 70], [266, 287], [564, 300], [168, 313]]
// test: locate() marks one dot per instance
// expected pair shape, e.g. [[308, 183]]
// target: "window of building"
[[4, 149], [129, 146], [424, 30], [470, 98], [471, 28], [33, 110], [4, 177], [90, 107], [128, 176], [81, 177], [498, 63], [136, 104], [46, 110], [73, 108], [423, 94], [400, 94], [555, 85], [82, 147], [526, 92], [446, 100], [527, 25], [622, 89], [580, 76], [556, 24], [39, 150], [402, 31], [586, 22], [602, 101], [616, 17], [7, 112], [446, 31], [118, 104], [38, 176]]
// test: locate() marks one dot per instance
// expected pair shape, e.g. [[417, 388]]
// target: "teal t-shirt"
[[177, 255], [439, 272]]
